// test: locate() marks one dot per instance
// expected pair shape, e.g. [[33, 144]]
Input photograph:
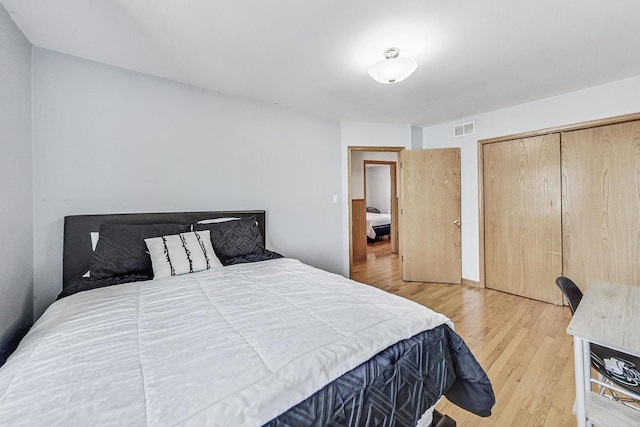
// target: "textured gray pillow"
[[232, 239], [121, 249]]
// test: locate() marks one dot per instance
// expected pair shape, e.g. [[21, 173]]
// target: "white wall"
[[108, 140], [379, 188], [357, 168], [417, 134], [365, 135], [622, 97], [16, 215]]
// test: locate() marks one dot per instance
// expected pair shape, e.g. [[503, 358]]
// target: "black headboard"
[[77, 252]]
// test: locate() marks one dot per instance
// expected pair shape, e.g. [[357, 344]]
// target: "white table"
[[608, 315]]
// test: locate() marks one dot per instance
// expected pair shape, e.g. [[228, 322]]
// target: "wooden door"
[[601, 204], [358, 230], [522, 214], [430, 216], [393, 175]]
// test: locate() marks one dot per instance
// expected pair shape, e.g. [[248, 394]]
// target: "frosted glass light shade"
[[393, 69]]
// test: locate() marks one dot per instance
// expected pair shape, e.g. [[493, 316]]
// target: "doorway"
[[356, 196], [381, 201], [427, 211]]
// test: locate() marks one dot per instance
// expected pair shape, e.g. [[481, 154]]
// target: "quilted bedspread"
[[237, 345], [398, 385]]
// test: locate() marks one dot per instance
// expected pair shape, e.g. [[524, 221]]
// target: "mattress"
[[202, 349], [376, 220]]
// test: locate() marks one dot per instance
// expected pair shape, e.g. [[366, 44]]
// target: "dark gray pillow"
[[372, 210], [236, 238], [121, 249], [264, 256]]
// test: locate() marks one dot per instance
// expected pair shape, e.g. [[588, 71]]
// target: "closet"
[[523, 234], [563, 201]]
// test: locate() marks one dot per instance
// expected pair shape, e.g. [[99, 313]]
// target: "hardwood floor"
[[522, 344]]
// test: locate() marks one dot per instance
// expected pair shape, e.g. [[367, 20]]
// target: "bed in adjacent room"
[[169, 328], [378, 224]]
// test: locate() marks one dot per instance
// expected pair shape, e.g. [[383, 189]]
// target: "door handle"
[[457, 222]]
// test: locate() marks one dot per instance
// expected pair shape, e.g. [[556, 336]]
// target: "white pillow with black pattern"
[[181, 253], [94, 242]]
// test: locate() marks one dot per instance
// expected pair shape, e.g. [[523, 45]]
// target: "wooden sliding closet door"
[[601, 204], [522, 217]]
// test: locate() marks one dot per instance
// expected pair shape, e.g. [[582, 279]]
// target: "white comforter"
[[233, 346]]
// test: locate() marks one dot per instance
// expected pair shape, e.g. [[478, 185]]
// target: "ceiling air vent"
[[464, 129]]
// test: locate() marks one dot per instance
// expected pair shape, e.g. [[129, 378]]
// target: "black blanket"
[[398, 385]]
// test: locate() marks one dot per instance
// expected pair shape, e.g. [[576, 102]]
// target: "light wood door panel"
[[395, 236], [601, 204], [393, 175], [522, 214], [430, 204], [359, 229]]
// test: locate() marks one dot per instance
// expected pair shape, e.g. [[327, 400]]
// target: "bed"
[[259, 340], [378, 225]]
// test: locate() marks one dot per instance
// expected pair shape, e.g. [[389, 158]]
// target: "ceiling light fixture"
[[392, 69]]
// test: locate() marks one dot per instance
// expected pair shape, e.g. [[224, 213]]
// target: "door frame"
[[557, 129], [350, 149], [393, 183]]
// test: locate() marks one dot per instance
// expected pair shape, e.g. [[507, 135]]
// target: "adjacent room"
[[285, 213], [374, 203], [378, 199]]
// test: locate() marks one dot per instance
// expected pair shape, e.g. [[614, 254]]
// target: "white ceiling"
[[473, 56]]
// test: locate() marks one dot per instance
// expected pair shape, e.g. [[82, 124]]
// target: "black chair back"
[[571, 292]]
